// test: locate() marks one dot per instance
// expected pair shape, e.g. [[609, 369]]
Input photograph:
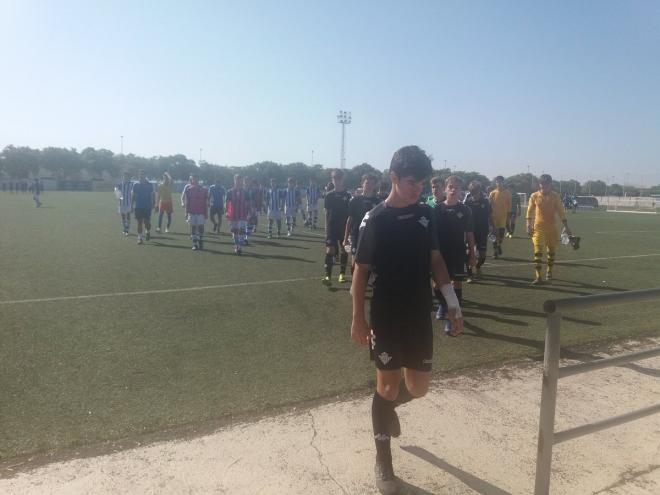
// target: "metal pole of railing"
[[548, 404]]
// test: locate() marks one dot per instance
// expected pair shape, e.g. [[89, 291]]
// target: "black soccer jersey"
[[357, 207], [336, 206], [452, 223], [480, 208], [397, 243]]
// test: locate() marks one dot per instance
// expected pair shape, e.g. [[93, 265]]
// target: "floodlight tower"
[[343, 118]]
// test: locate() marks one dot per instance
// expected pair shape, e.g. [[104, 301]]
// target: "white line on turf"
[[624, 231], [268, 282], [562, 262], [156, 291]]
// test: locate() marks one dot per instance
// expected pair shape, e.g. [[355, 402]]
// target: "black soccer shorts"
[[335, 238], [401, 336], [481, 239], [217, 211], [143, 214], [455, 259]]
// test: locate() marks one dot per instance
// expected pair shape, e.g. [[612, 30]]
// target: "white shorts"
[[124, 209], [238, 225], [274, 215], [196, 220]]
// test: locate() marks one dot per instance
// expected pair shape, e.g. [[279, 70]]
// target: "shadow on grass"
[[476, 484], [557, 285], [519, 312], [539, 345]]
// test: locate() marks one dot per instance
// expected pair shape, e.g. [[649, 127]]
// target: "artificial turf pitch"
[[254, 332]]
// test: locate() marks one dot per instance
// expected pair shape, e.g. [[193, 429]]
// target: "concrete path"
[[472, 434]]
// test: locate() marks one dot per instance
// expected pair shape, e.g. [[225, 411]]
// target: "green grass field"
[[258, 332]]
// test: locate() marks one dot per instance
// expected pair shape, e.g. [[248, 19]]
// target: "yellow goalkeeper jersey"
[[543, 208], [500, 205]]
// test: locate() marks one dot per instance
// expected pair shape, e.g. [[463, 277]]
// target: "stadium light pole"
[[312, 164], [344, 118], [122, 145], [200, 156]]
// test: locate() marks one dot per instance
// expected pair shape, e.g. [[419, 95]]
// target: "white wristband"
[[452, 301]]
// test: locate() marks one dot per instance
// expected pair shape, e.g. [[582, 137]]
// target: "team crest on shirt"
[[459, 214], [384, 357], [424, 221]]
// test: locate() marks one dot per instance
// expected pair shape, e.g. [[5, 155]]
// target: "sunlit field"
[[103, 339]]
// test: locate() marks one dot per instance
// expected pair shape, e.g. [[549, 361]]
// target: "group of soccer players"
[[241, 204], [400, 243]]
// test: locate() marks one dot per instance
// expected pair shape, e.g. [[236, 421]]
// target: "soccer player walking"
[[513, 214], [399, 244], [194, 201], [545, 206], [164, 202], [455, 233], [237, 212], [336, 214], [500, 206], [358, 206], [144, 199], [217, 195], [124, 194], [274, 208], [291, 204], [480, 208], [314, 193]]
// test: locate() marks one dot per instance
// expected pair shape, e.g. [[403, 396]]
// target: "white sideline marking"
[[564, 262], [269, 282], [156, 291], [623, 231]]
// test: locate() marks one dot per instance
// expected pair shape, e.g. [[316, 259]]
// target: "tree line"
[[22, 162]]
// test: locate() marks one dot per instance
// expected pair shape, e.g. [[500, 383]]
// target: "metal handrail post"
[[548, 404]]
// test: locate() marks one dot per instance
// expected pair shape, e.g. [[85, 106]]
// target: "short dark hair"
[[436, 180], [545, 179], [454, 178], [368, 176], [475, 184], [337, 173], [499, 178], [411, 161]]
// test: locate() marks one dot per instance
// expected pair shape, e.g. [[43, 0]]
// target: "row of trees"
[[62, 163]]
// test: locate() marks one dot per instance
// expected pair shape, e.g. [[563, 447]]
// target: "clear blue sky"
[[570, 88]]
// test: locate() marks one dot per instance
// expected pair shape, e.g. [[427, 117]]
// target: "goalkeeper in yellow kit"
[[544, 206]]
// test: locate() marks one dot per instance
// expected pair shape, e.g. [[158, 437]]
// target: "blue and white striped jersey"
[[274, 199], [291, 197], [313, 194], [126, 191]]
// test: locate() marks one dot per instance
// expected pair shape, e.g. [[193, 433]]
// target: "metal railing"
[[552, 373]]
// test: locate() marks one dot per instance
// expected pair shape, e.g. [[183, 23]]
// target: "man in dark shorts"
[[358, 206], [399, 244], [336, 214], [453, 221], [217, 195], [480, 207], [144, 199]]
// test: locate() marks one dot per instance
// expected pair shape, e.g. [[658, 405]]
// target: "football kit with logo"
[[396, 243], [453, 222]]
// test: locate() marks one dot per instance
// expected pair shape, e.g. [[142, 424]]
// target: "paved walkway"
[[472, 434]]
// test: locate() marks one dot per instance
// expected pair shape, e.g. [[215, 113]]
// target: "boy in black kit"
[[398, 242], [480, 207], [456, 241], [336, 213], [358, 206]]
